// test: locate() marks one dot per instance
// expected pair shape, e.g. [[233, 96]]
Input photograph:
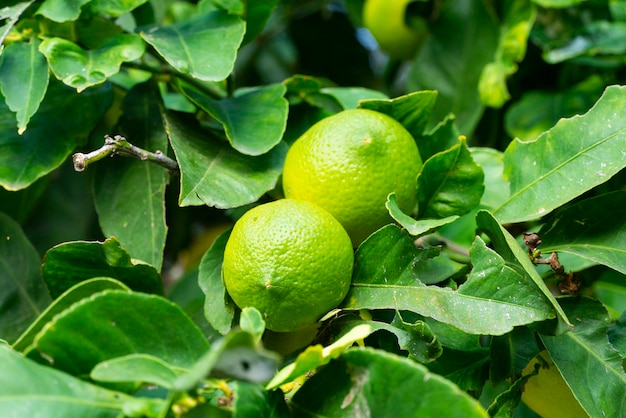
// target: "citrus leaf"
[[80, 69], [185, 45], [442, 137], [61, 10], [414, 227], [582, 229], [140, 368], [12, 15], [370, 382], [114, 8], [548, 172], [513, 255], [28, 389], [25, 158], [385, 278], [350, 97], [589, 364], [450, 183], [250, 128], [68, 298], [115, 323], [217, 311], [73, 262], [23, 80], [411, 110], [129, 194], [215, 174], [23, 295]]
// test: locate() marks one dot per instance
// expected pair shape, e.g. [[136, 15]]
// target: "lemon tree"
[[349, 163]]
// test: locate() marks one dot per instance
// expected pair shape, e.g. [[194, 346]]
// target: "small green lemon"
[[289, 259], [348, 164], [547, 393]]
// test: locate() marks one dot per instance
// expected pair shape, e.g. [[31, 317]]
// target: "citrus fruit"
[[289, 259], [385, 19], [348, 163], [547, 393]]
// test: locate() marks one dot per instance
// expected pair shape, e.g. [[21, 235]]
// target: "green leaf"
[[129, 194], [369, 382], [513, 255], [114, 8], [594, 229], [23, 295], [451, 60], [68, 298], [351, 97], [252, 321], [185, 45], [552, 170], [467, 368], [61, 10], [11, 14], [257, 13], [385, 277], [496, 189], [140, 368], [217, 311], [440, 138], [73, 262], [589, 364], [28, 389], [250, 127], [412, 110], [415, 227], [557, 4], [597, 38], [115, 323], [32, 155], [23, 80], [450, 183], [80, 69], [213, 173]]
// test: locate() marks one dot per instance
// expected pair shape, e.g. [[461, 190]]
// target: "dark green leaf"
[[23, 80], [253, 401], [506, 402], [589, 364], [51, 136], [368, 382], [418, 339], [129, 194], [115, 323], [462, 42], [598, 38], [257, 13], [28, 389], [440, 138], [11, 14], [213, 173], [552, 170], [114, 8], [73, 262], [468, 368], [594, 228], [72, 295], [204, 46], [61, 10], [450, 183], [254, 119], [80, 69], [23, 295], [415, 227]]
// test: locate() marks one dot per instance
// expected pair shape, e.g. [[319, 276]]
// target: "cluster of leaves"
[[446, 306]]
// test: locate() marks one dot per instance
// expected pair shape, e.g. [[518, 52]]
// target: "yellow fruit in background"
[[348, 164], [547, 393], [289, 259], [385, 19]]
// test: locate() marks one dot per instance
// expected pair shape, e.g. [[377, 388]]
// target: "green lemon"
[[289, 259], [348, 164]]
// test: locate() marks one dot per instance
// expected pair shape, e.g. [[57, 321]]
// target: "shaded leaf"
[[213, 173], [450, 183], [28, 389], [129, 194], [252, 322], [23, 295], [140, 368], [115, 323], [23, 80], [414, 227], [184, 44], [547, 172], [80, 69], [11, 14], [114, 8], [368, 382], [468, 368], [32, 155], [594, 228], [73, 262], [596, 38], [440, 138], [61, 10], [350, 97], [589, 364], [254, 119]]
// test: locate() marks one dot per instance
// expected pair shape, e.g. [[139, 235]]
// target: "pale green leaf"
[[114, 8], [12, 15], [61, 10], [576, 155], [350, 97], [136, 368]]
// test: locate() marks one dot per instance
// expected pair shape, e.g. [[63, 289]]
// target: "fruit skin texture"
[[348, 164], [385, 21], [289, 259], [547, 393]]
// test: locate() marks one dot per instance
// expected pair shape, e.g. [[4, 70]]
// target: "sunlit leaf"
[[61, 10], [114, 7], [415, 227]]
